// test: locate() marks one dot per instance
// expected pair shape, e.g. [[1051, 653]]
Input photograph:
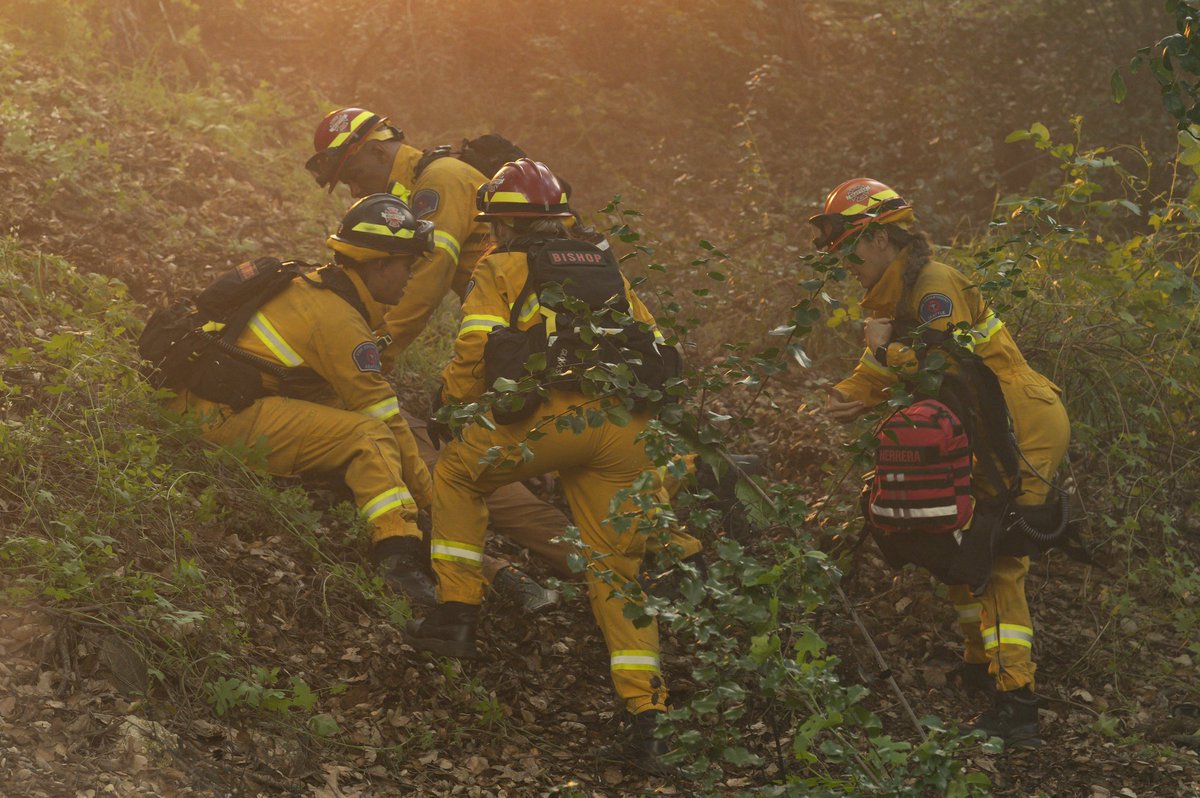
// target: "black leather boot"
[[645, 751], [404, 565], [973, 677], [1013, 718], [449, 630], [520, 589]]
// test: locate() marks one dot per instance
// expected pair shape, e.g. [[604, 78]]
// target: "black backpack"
[[487, 154], [190, 345], [592, 329]]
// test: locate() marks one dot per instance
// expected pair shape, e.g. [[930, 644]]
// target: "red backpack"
[[922, 480]]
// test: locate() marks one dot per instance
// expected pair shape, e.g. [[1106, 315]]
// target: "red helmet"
[[522, 188], [852, 207], [339, 135]]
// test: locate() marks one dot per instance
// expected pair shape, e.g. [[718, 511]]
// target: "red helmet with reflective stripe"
[[852, 207], [522, 187], [341, 134]]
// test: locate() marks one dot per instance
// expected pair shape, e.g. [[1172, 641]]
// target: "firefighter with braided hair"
[[508, 308], [872, 230]]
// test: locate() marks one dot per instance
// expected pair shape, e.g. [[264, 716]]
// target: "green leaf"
[[323, 725], [1117, 85], [1039, 131], [738, 756], [763, 647]]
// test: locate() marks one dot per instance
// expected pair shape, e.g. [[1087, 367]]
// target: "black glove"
[[439, 431]]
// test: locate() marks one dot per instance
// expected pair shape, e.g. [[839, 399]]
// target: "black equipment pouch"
[[590, 279], [584, 278], [505, 355], [962, 558]]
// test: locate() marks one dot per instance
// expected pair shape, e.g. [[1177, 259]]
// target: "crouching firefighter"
[[957, 488], [515, 316], [286, 353]]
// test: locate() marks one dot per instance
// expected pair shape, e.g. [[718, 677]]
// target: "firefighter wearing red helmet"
[[871, 228], [368, 154], [526, 206]]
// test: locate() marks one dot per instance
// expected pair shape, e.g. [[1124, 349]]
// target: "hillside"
[[171, 623]]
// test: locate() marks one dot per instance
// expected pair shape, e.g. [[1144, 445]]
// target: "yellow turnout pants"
[[594, 465], [997, 627], [305, 436], [513, 511]]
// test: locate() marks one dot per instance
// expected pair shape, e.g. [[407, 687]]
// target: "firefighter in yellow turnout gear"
[[367, 153], [892, 262], [350, 418], [525, 201]]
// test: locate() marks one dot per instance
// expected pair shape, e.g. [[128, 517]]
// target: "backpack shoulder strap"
[[431, 155], [532, 283]]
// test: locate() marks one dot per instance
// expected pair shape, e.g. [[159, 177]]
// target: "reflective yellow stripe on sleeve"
[[983, 332], [480, 322], [386, 502], [266, 332], [634, 660], [447, 242], [456, 551], [383, 410]]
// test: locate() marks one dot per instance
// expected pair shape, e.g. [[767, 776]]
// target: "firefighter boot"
[[643, 750], [402, 566], [449, 630], [973, 677], [520, 589], [1013, 718]]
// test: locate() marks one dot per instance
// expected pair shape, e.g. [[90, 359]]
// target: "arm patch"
[[935, 306], [366, 357], [425, 202]]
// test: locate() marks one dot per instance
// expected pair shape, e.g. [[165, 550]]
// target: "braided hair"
[[919, 254]]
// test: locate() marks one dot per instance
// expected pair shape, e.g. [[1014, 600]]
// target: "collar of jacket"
[[882, 297], [375, 309], [400, 180]]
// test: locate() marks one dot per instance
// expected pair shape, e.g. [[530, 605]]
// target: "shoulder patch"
[[935, 306], [366, 357], [425, 202]]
